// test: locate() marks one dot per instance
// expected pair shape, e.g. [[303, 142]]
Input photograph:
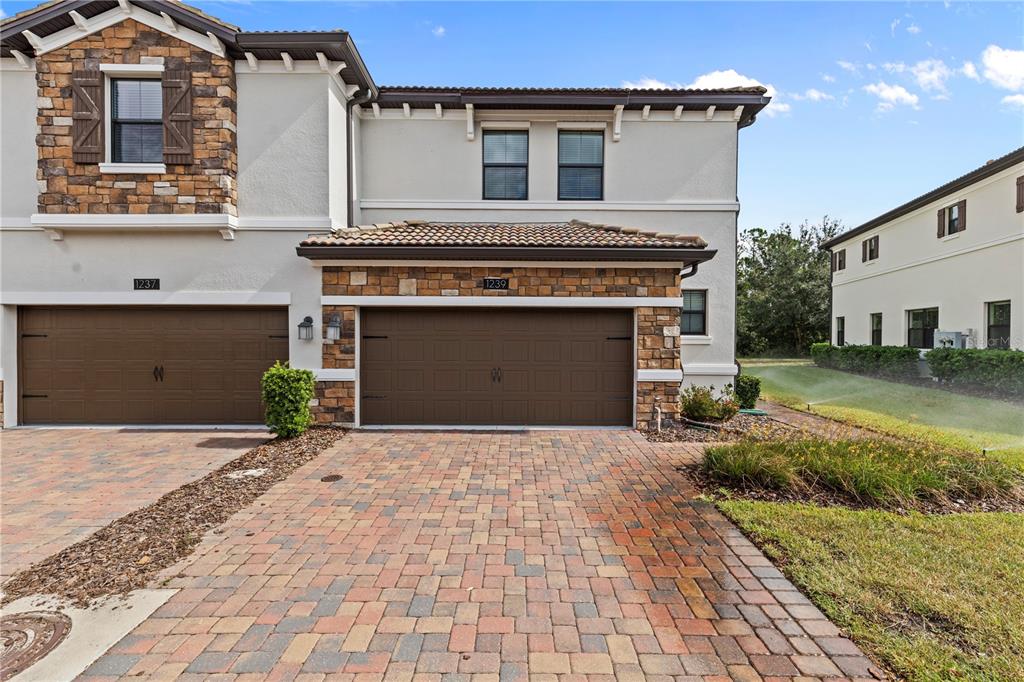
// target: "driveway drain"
[[26, 638], [331, 478]]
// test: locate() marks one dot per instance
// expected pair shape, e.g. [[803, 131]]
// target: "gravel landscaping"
[[741, 426], [128, 553]]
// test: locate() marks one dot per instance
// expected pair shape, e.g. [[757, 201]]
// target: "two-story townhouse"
[[184, 202], [950, 260]]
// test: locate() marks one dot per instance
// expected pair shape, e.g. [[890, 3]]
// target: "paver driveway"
[[57, 486], [454, 556]]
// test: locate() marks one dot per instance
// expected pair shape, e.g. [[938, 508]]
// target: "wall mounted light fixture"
[[334, 327], [306, 329]]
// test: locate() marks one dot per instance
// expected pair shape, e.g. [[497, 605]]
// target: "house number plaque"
[[146, 284], [496, 283]]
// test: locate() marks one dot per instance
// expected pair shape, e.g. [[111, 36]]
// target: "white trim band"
[[134, 168], [660, 265], [686, 340], [145, 298], [503, 301], [668, 375], [715, 370], [725, 205], [335, 374]]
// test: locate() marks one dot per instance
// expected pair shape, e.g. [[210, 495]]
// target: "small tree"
[[286, 394]]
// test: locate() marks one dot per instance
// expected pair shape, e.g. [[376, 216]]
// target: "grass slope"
[[934, 597], [924, 414]]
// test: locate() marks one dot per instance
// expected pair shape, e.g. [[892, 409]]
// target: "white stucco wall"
[[18, 188], [958, 274]]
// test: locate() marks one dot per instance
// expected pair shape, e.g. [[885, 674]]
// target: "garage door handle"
[[374, 397], [368, 336], [34, 395], [619, 338], [33, 336]]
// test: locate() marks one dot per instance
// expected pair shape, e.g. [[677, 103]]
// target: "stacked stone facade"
[[657, 334], [205, 186]]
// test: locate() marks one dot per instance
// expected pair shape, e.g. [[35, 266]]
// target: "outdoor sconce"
[[306, 329], [334, 327]]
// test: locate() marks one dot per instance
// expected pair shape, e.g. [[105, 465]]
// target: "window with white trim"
[[136, 121]]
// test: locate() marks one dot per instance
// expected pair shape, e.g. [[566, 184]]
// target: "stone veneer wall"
[[657, 328], [206, 186]]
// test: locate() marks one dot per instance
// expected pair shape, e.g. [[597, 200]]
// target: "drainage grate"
[[27, 637], [331, 478]]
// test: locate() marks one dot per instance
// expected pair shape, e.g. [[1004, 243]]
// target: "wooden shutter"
[[835, 259], [87, 116], [177, 116], [1020, 194], [963, 214], [942, 224]]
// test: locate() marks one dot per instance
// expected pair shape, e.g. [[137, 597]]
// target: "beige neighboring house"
[[184, 202], [944, 269]]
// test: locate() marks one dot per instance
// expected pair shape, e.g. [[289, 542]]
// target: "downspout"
[[370, 94]]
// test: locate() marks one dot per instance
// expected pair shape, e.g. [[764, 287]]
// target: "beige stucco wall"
[[18, 188], [958, 274]]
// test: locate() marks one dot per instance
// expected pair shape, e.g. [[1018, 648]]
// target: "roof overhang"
[[680, 256]]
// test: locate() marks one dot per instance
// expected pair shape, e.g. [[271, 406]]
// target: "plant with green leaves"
[[1001, 370], [884, 361], [748, 390], [700, 403], [286, 394]]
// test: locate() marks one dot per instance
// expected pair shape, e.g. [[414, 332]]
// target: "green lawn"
[[933, 597], [925, 414]]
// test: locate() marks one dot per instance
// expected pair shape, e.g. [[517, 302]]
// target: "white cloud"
[[813, 95], [891, 95], [931, 75], [913, 29], [828, 78], [894, 67], [729, 78], [867, 46], [1014, 101], [893, 26], [1004, 68], [647, 83], [439, 31], [970, 70], [849, 67]]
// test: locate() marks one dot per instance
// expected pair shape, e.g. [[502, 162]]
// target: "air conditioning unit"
[[950, 340]]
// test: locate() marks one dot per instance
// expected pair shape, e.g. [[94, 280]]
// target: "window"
[[952, 219], [839, 260], [998, 325], [921, 327], [1020, 194], [505, 164], [840, 331], [694, 314], [869, 249], [580, 164], [136, 127], [876, 329]]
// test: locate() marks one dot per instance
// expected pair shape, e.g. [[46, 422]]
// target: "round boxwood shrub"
[[286, 394], [748, 389], [700, 403]]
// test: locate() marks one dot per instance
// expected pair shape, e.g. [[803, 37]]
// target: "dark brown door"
[[496, 366], [96, 365]]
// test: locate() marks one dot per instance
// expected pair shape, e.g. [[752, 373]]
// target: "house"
[[944, 269], [185, 202]]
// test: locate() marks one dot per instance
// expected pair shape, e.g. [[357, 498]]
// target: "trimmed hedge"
[[286, 394], [1000, 370], [748, 390], [884, 361]]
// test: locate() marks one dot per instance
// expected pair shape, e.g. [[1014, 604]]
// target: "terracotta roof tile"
[[572, 234]]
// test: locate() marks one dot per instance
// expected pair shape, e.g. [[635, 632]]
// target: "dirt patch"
[[739, 427], [129, 552]]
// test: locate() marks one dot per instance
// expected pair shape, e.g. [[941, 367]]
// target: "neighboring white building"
[[142, 283], [951, 260]]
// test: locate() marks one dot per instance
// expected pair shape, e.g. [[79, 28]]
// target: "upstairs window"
[[869, 249], [840, 331], [921, 326], [876, 329], [952, 219], [581, 164], [694, 319], [1020, 194], [839, 260], [136, 121], [998, 325], [506, 154]]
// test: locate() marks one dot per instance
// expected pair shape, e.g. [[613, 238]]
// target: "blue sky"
[[875, 102]]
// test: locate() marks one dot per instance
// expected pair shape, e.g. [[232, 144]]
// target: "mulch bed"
[[826, 498], [129, 552], [739, 427]]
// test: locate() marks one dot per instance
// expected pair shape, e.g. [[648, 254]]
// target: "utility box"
[[950, 340]]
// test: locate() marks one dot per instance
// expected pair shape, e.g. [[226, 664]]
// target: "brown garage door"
[[147, 365], [496, 366]]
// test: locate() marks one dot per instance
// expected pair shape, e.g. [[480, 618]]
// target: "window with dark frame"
[[921, 326], [998, 319], [580, 165], [506, 163], [694, 314], [953, 219], [839, 260], [869, 249], [876, 329], [136, 121], [840, 331]]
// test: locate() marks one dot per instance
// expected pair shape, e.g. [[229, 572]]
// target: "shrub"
[[748, 389], [885, 361], [286, 394], [1000, 370], [700, 404], [881, 473]]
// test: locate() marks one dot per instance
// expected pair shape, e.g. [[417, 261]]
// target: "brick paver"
[[550, 555], [57, 486]]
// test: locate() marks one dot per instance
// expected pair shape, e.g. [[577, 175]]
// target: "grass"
[[932, 597], [927, 415], [878, 473]]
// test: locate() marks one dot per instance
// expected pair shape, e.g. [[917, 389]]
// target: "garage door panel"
[[97, 363]]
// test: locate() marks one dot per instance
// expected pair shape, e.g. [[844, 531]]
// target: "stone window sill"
[[134, 168]]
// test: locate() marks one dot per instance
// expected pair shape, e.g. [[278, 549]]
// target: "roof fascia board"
[[116, 15], [507, 253]]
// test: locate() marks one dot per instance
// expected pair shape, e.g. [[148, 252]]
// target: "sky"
[[873, 103]]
